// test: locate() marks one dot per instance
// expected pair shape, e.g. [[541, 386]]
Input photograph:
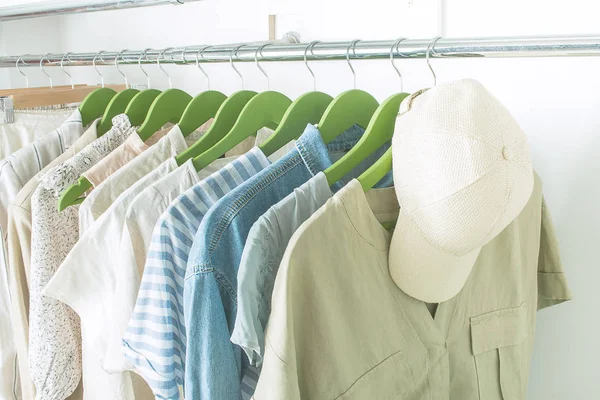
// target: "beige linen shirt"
[[132, 147], [19, 259], [102, 197], [341, 329]]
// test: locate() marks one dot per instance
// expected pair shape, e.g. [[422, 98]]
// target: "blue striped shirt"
[[155, 340]]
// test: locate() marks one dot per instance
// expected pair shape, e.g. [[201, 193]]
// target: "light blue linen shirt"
[[263, 251]]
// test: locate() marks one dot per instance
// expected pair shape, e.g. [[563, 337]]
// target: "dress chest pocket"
[[497, 340]]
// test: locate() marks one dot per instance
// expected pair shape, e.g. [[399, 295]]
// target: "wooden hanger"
[[63, 96], [9, 92], [27, 89]]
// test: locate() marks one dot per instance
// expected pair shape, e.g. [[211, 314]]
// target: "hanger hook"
[[96, 68], [161, 68], [259, 49], [431, 47], [62, 66], [200, 53], [352, 46], [235, 50], [120, 54], [310, 46], [44, 71], [143, 54], [395, 47], [19, 60]]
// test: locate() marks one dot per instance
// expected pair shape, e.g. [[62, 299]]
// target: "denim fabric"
[[213, 364]]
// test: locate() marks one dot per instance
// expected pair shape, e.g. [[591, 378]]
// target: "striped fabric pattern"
[[154, 342]]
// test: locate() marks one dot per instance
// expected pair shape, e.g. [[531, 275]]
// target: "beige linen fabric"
[[19, 259], [102, 197], [132, 147], [341, 329], [29, 125]]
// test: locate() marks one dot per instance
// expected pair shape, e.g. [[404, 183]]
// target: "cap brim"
[[422, 270]]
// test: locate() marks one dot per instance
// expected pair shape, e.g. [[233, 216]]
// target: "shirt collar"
[[178, 143], [315, 153]]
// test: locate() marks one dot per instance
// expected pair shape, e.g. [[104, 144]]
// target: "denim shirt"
[[213, 364]]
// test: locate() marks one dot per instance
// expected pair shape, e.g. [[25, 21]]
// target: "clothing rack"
[[61, 7], [557, 46]]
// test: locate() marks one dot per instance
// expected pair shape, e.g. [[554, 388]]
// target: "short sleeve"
[[282, 379], [552, 283]]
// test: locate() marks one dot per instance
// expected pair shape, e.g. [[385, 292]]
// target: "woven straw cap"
[[463, 173]]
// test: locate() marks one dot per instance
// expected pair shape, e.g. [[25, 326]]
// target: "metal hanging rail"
[[60, 7], [250, 52]]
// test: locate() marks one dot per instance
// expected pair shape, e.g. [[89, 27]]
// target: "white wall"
[[555, 100]]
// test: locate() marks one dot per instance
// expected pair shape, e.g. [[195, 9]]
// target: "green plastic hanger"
[[138, 107], [378, 133], [202, 108], [118, 103], [223, 121], [73, 194], [263, 110], [117, 106], [377, 171], [306, 109], [353, 107], [93, 106], [374, 174], [349, 108], [135, 111], [167, 107]]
